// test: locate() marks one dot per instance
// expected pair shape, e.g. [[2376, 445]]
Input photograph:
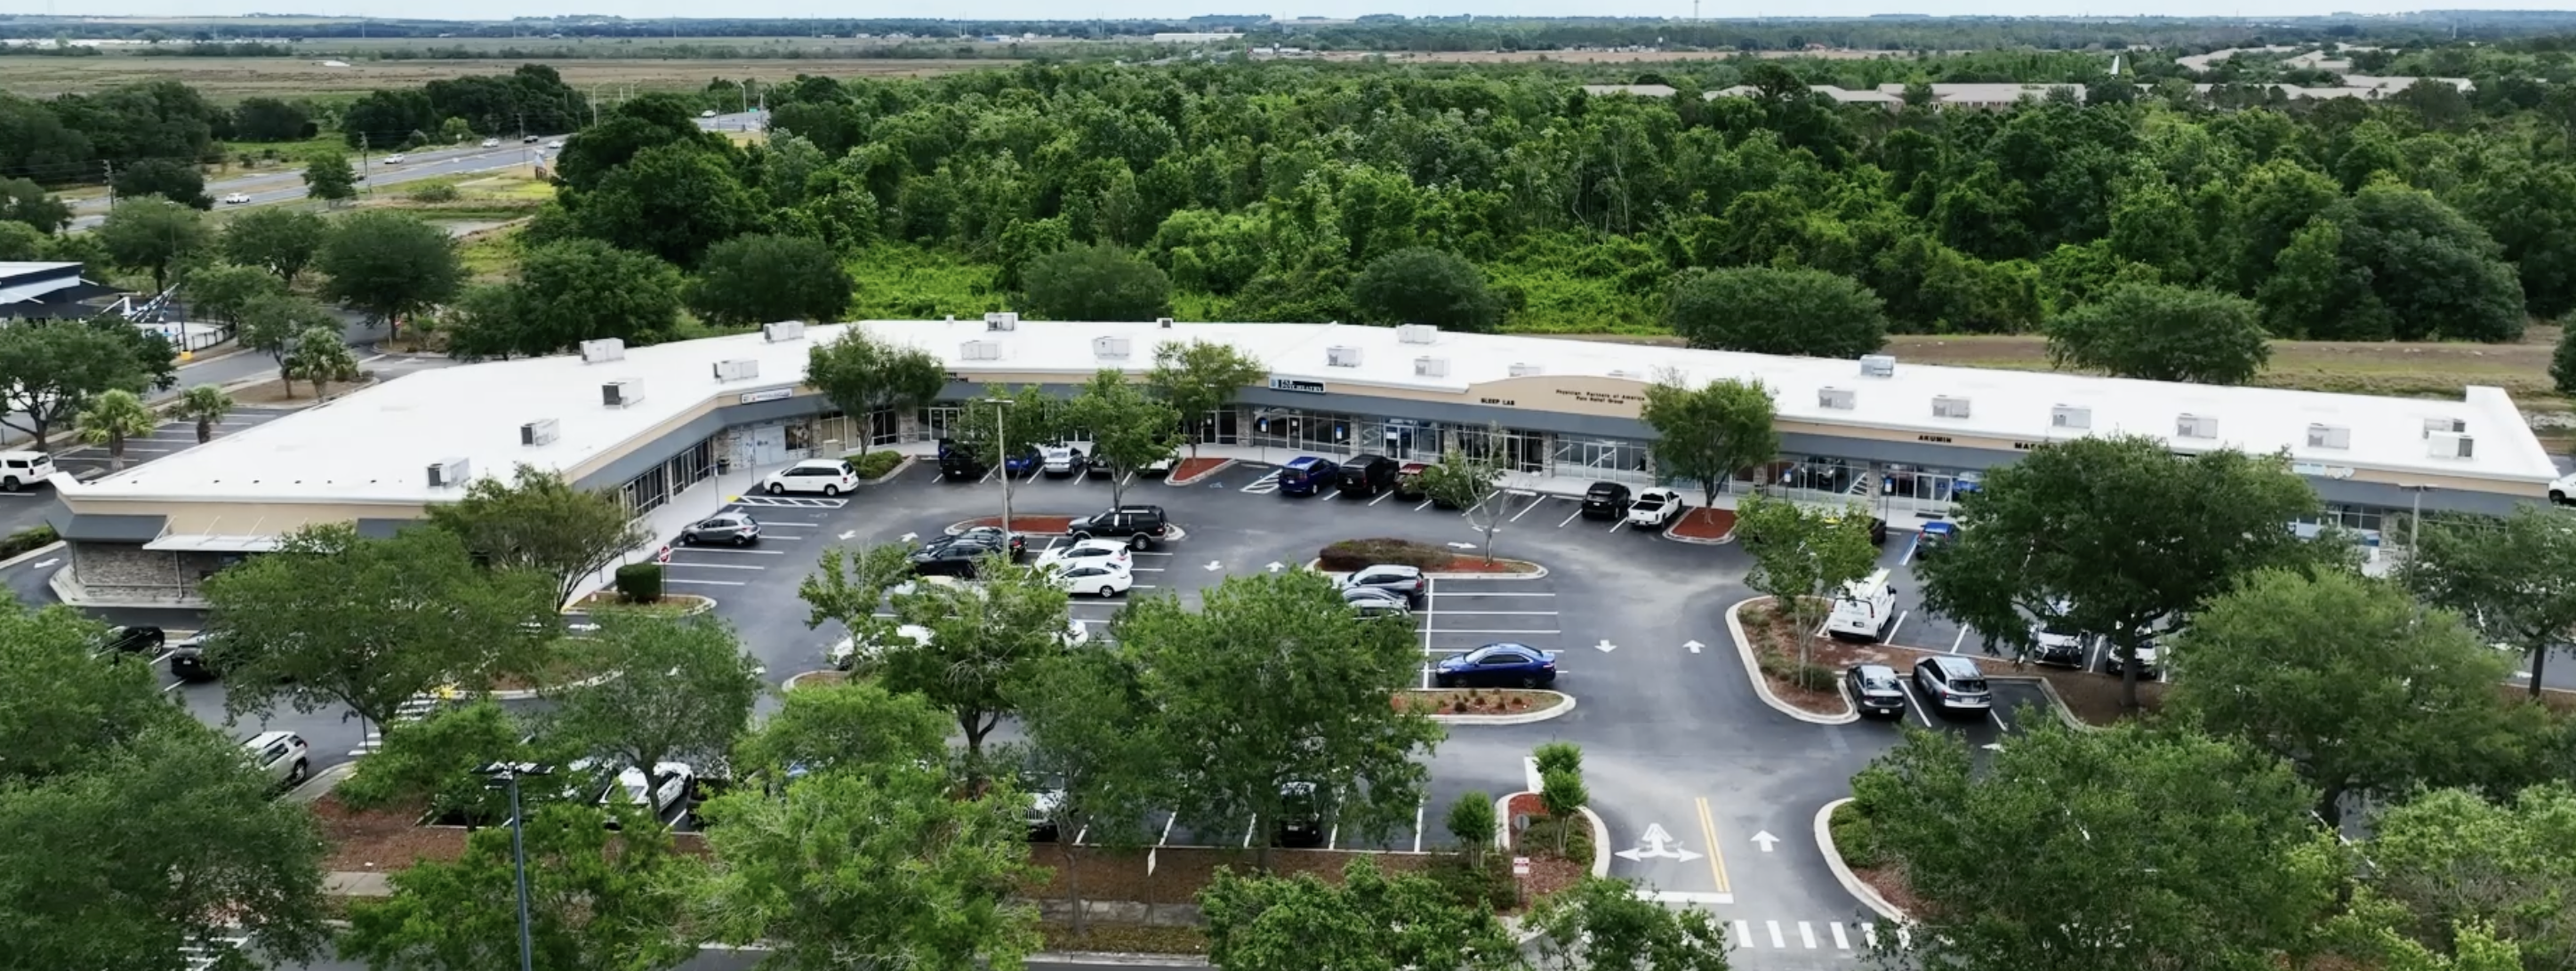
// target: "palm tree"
[[204, 404], [320, 357], [113, 417]]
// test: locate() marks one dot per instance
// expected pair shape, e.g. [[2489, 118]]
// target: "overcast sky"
[[1057, 9]]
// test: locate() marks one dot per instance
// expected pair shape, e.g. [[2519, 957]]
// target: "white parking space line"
[[784, 536], [1418, 810], [1915, 701], [1430, 590], [715, 566], [1525, 510], [728, 551], [1890, 636], [703, 583], [1961, 639], [1499, 593], [1909, 550], [1999, 721], [1381, 497], [1248, 829], [1144, 569], [1455, 631], [1167, 829], [1426, 504], [1569, 517], [1492, 613]]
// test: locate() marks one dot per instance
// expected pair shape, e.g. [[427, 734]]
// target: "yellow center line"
[[1716, 856]]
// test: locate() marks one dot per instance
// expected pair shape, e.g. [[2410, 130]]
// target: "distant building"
[[1195, 38], [47, 291]]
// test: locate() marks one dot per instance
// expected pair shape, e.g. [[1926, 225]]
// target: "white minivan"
[[1864, 610], [24, 470]]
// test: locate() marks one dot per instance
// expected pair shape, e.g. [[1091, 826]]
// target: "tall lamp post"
[[2415, 519], [1002, 456], [506, 775]]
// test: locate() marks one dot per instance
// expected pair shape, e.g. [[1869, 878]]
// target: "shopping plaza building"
[[651, 422]]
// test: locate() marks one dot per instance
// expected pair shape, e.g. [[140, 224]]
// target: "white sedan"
[[846, 654], [491, 143], [1084, 552], [394, 159], [237, 198], [1654, 508], [1099, 578]]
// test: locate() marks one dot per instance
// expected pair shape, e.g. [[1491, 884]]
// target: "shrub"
[[1811, 677], [1854, 836], [1352, 554], [873, 465], [42, 534], [639, 583], [1558, 757], [1488, 881], [1471, 823], [434, 192]]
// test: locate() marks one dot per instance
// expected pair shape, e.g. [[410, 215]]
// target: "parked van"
[[1306, 475], [1864, 611], [1368, 475], [24, 470]]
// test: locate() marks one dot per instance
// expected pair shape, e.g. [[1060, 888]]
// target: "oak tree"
[[1709, 433]]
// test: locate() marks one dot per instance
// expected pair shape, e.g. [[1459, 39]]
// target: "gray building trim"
[[650, 455], [384, 528]]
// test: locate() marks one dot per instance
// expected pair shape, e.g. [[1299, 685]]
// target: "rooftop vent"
[[980, 351], [1163, 322], [741, 369], [2070, 416], [783, 331], [543, 431], [2450, 445], [1417, 333], [619, 394], [2196, 426], [1877, 366], [449, 473], [1001, 322], [1944, 406], [603, 350], [1839, 399], [1342, 356], [1527, 370], [1111, 347], [1430, 367], [2437, 426], [2329, 436]]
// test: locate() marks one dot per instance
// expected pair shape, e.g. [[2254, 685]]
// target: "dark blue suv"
[[1306, 475]]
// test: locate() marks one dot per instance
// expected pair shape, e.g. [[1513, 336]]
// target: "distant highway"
[[269, 188]]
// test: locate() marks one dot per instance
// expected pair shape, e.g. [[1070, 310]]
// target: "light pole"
[[2415, 519], [507, 774], [1002, 456]]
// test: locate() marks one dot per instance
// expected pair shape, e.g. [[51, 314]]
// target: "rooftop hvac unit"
[[2437, 426], [1877, 366], [1430, 367], [1109, 347], [2450, 445], [449, 473], [980, 351], [737, 370], [2196, 426], [603, 350], [1838, 399], [2070, 416], [1944, 406], [1163, 322], [1417, 333], [619, 394], [2329, 436], [543, 431], [783, 331], [1001, 321], [1342, 356], [1527, 370]]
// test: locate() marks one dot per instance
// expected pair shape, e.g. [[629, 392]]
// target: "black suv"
[[1605, 500], [132, 640], [1368, 475], [953, 558], [1141, 526], [958, 463]]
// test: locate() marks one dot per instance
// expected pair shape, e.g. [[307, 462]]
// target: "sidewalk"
[[664, 522]]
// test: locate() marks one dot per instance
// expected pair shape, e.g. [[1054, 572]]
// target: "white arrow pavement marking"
[[1462, 546], [1657, 844], [41, 564], [1992, 746], [1766, 840], [1605, 646], [845, 535], [1693, 645], [1276, 566], [1214, 566], [907, 537]]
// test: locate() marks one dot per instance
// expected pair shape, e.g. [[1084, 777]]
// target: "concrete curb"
[[1600, 831], [1317, 565], [706, 604], [524, 694], [1117, 959], [321, 783], [52, 547], [1694, 540], [793, 679], [1851, 882], [1178, 482], [1762, 686], [899, 469], [1564, 705]]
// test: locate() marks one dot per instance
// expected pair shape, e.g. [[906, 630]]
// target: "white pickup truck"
[[2563, 491], [1654, 509]]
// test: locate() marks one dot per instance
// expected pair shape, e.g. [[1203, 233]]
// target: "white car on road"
[[1099, 578], [1089, 551], [830, 477], [557, 143], [394, 158], [236, 198], [1654, 508], [2563, 491], [491, 143], [846, 654]]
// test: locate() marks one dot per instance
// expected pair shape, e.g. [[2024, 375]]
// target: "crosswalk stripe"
[[1807, 933], [1869, 936], [1743, 933], [1776, 939], [1841, 942]]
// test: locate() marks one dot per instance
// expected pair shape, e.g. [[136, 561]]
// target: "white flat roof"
[[375, 445]]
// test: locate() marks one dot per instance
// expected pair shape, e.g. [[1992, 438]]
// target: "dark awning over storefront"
[[101, 528]]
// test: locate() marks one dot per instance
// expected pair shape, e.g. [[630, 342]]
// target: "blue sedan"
[[1497, 666], [1025, 462]]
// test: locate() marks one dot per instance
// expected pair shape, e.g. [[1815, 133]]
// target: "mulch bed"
[[1102, 936], [1187, 471], [381, 841], [1472, 563], [1549, 873], [1028, 525], [671, 603], [1473, 701], [1180, 873], [1775, 636], [1705, 522], [1889, 880], [274, 393]]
